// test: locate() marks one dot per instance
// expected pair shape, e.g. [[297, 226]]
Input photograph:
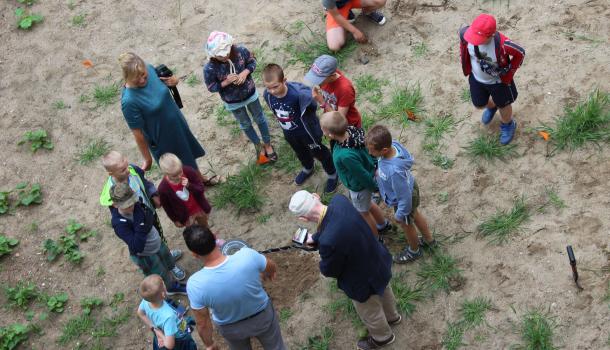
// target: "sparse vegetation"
[[68, 244], [503, 224], [26, 19], [225, 118], [406, 105], [537, 331], [489, 148], [319, 342], [55, 303], [28, 194], [439, 273], [79, 20], [287, 160], [192, 80], [453, 337], [304, 50], [21, 294], [13, 335], [59, 104], [473, 312], [93, 150], [419, 50], [105, 95], [38, 139], [369, 87], [7, 244], [465, 95], [434, 132], [406, 297], [243, 190], [285, 314]]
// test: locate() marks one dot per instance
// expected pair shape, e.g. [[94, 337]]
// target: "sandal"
[[272, 156], [213, 181], [407, 256]]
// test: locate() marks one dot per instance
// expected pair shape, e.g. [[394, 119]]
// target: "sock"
[[386, 223], [333, 176], [413, 252], [307, 171]]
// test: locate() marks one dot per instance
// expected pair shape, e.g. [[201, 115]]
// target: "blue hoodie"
[[396, 181]]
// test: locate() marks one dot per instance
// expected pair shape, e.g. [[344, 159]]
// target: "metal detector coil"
[[232, 246]]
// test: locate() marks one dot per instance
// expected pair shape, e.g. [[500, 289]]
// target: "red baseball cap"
[[483, 27]]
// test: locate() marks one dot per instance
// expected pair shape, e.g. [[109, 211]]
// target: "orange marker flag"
[[87, 63], [545, 135]]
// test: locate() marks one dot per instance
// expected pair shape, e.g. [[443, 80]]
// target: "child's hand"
[[185, 181], [317, 95], [241, 77], [170, 81], [359, 37], [231, 78], [160, 337]]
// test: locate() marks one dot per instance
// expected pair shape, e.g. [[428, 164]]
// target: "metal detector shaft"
[[572, 259], [287, 247]]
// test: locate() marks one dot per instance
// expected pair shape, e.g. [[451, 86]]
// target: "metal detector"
[[299, 240]]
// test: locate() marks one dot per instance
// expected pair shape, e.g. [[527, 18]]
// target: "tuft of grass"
[[419, 50], [285, 314], [452, 339], [75, 327], [287, 160], [439, 273], [473, 311], [370, 87], [503, 224], [79, 20], [105, 95], [537, 331], [465, 95], [319, 342], [305, 49], [442, 161], [243, 190], [586, 122], [554, 199], [192, 80], [93, 150], [367, 121], [263, 219], [437, 127], [225, 118], [59, 104], [489, 148], [406, 297], [406, 102]]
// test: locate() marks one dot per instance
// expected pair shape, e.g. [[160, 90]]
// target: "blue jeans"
[[256, 110]]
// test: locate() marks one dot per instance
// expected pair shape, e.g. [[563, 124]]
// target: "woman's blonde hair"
[[133, 66], [170, 163]]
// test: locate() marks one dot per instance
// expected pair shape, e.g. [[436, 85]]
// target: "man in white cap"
[[361, 264]]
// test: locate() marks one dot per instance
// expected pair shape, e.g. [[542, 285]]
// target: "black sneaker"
[[377, 17], [427, 245], [396, 321], [407, 256], [386, 228], [370, 343], [351, 17]]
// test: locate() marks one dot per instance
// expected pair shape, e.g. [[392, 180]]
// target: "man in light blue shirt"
[[231, 288]]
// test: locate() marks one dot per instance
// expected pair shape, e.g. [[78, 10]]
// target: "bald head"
[[116, 165]]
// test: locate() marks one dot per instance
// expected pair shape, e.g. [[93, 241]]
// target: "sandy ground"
[[44, 65]]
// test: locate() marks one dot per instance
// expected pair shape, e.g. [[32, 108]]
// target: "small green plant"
[[319, 342], [59, 104], [69, 248], [71, 5], [263, 219], [442, 197], [586, 122], [25, 19], [440, 273], [105, 95], [465, 95], [12, 335], [489, 148], [370, 87], [537, 331], [88, 304], [56, 303], [554, 199], [242, 190], [192, 80], [21, 294], [7, 244], [38, 139], [100, 271], [285, 314], [503, 224], [406, 297], [28, 194], [453, 337], [93, 150], [117, 298], [473, 311], [5, 202], [442, 161], [406, 104], [419, 50], [75, 327], [79, 20], [305, 50]]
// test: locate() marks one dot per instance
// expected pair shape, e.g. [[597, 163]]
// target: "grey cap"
[[323, 67], [122, 195]]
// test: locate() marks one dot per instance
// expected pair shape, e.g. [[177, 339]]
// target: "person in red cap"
[[490, 60]]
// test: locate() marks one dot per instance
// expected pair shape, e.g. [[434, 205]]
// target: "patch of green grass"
[[225, 118], [79, 20], [406, 297], [287, 160], [21, 294], [75, 327], [105, 95], [7, 244], [537, 331], [442, 161], [263, 219], [261, 61], [554, 199], [465, 95], [93, 150], [442, 197], [503, 224], [453, 337], [370, 87], [59, 104], [419, 50], [586, 122], [319, 342], [473, 311], [406, 103], [100, 271], [439, 273], [285, 314], [192, 80], [304, 49], [437, 127], [13, 335], [367, 121], [32, 227], [489, 148], [242, 190]]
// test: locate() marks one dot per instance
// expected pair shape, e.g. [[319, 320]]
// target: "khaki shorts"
[[414, 203]]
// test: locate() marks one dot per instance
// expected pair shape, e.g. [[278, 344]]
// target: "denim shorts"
[[361, 200]]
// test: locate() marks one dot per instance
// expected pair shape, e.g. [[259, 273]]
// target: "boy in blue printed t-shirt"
[[170, 330], [295, 109]]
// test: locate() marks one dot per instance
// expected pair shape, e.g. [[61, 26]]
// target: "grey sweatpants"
[[264, 326]]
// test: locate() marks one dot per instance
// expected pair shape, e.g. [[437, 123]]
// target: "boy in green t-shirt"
[[355, 167]]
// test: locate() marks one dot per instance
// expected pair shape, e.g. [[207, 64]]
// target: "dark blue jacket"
[[215, 72], [135, 232], [308, 122], [351, 253]]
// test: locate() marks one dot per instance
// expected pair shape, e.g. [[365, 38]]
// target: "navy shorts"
[[500, 93]]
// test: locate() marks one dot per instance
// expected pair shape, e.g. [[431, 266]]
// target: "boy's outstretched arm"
[[343, 22]]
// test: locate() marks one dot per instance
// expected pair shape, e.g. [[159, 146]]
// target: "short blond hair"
[[170, 163], [112, 159], [132, 65], [334, 122], [151, 288]]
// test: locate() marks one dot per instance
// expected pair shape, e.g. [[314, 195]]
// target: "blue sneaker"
[[177, 288], [302, 177], [488, 115], [507, 131], [176, 254], [331, 185], [178, 273]]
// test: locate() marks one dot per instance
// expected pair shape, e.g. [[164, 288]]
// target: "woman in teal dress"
[[155, 120]]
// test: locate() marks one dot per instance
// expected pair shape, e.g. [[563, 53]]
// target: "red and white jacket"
[[508, 54]]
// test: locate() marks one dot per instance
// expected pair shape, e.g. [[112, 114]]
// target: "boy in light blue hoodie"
[[399, 190]]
